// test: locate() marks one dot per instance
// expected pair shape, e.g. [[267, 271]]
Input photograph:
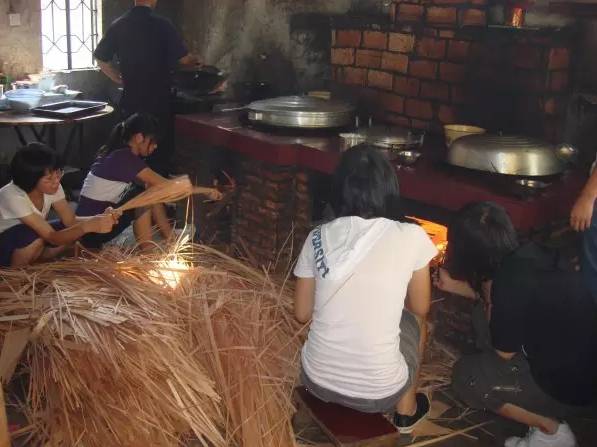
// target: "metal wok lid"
[[506, 154], [301, 111]]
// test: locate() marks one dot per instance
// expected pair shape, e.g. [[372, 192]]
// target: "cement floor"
[[493, 434]]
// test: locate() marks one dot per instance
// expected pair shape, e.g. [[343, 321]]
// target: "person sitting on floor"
[[536, 324], [116, 175], [363, 281], [25, 234]]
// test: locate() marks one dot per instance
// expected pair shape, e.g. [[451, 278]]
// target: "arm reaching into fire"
[[443, 281]]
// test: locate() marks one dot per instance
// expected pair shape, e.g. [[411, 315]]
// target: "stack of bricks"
[[418, 69], [417, 65], [533, 70], [272, 214]]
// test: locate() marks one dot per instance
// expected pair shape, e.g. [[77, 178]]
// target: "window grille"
[[70, 30]]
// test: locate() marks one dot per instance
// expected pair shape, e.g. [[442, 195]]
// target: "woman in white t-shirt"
[[25, 234], [363, 281]]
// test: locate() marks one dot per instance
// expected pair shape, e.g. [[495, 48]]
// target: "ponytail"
[[114, 140], [142, 123]]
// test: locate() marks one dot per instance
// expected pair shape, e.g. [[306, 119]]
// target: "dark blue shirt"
[[148, 47]]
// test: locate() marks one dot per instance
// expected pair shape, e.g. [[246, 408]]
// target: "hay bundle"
[[135, 351]]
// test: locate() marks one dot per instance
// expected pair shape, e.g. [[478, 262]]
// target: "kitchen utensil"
[[200, 80], [407, 158], [454, 131], [301, 112], [69, 109], [395, 138], [23, 100], [508, 154]]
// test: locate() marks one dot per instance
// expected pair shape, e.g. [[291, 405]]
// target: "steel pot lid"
[[506, 154], [301, 111], [390, 136]]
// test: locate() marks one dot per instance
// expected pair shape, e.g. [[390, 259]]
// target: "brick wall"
[[435, 63], [272, 214]]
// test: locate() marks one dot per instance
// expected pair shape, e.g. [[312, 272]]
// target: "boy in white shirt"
[[25, 234], [363, 281]]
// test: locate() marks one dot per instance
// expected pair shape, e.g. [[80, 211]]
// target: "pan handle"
[[233, 109]]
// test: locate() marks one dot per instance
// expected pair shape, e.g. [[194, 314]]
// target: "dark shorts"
[[19, 237], [410, 336], [97, 240], [486, 381]]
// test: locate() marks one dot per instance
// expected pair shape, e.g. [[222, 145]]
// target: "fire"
[[438, 234], [169, 272]]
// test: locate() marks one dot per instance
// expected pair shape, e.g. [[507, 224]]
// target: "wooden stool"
[[347, 427]]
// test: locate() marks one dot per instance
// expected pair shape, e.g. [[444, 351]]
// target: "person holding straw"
[[363, 282], [25, 234], [119, 174]]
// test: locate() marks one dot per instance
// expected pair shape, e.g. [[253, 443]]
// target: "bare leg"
[[53, 252], [142, 229], [158, 213], [27, 255], [407, 405], [518, 414]]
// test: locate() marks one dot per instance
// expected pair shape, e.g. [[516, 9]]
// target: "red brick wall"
[[434, 64], [272, 214]]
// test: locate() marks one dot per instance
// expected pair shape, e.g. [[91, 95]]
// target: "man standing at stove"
[[148, 48]]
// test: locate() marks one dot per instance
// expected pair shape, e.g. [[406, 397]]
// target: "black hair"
[[480, 236], [142, 123], [364, 184], [31, 163]]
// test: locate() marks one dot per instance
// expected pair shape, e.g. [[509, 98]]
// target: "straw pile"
[[147, 350]]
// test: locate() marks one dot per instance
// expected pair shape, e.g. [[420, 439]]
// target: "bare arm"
[[448, 284], [98, 224], [418, 295], [109, 70], [150, 178], [65, 213], [582, 211], [190, 60], [304, 299]]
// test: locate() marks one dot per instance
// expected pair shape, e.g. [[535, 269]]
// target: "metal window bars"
[[69, 33]]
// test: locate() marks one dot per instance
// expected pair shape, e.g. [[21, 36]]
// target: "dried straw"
[[118, 356], [168, 191]]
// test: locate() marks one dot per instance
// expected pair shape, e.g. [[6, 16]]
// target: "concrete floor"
[[493, 434]]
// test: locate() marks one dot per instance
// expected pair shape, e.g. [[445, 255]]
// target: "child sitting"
[[116, 176], [363, 281], [25, 234]]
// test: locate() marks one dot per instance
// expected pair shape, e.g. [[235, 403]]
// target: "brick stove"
[[435, 62]]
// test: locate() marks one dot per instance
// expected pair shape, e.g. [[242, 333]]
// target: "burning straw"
[[147, 350]]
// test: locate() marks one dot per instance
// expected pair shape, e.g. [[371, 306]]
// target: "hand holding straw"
[[168, 191]]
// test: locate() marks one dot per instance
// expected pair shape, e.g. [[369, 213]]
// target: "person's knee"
[[29, 254], [468, 383]]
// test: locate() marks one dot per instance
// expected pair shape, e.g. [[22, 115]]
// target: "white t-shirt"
[[16, 204], [362, 268]]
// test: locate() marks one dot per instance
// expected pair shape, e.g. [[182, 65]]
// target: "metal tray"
[[69, 109]]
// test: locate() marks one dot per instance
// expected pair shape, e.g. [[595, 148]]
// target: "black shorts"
[[19, 237], [486, 381], [97, 240]]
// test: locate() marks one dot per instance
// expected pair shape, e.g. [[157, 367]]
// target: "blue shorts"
[[18, 237]]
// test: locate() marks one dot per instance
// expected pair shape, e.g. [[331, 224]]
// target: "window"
[[69, 33]]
